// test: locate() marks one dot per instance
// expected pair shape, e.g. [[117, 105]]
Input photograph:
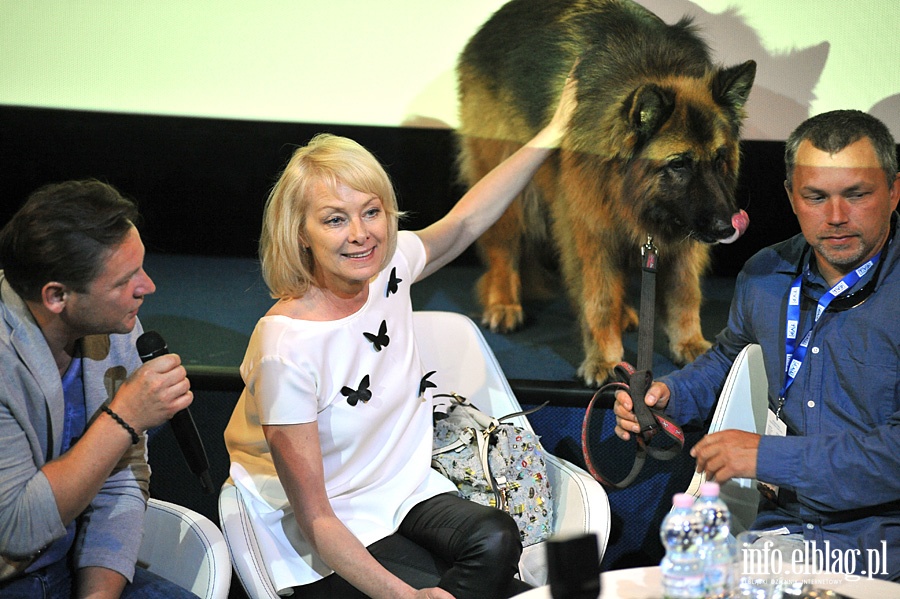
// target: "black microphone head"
[[573, 566], [151, 345]]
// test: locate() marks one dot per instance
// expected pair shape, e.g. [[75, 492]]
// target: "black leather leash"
[[636, 381]]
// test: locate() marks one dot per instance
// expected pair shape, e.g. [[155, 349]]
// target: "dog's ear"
[[648, 108], [731, 86]]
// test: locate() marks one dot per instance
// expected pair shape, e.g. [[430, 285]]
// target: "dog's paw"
[[688, 351], [595, 372], [503, 318]]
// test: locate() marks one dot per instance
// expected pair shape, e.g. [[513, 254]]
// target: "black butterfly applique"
[[381, 339], [425, 383], [393, 283], [355, 396]]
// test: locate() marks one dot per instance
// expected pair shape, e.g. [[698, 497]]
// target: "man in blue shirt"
[[75, 401], [823, 306]]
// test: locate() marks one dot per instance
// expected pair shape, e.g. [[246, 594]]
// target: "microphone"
[[573, 566], [151, 345]]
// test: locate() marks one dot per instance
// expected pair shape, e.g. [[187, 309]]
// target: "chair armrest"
[[186, 548], [580, 502], [580, 506], [243, 545]]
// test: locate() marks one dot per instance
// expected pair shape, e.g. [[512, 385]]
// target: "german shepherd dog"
[[652, 149]]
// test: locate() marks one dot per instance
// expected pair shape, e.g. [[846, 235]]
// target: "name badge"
[[775, 427]]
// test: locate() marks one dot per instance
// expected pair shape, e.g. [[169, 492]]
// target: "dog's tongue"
[[740, 221]]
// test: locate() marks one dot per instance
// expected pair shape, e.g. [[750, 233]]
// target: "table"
[[646, 583], [632, 583]]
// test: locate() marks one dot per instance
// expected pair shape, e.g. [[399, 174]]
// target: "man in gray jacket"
[[75, 401]]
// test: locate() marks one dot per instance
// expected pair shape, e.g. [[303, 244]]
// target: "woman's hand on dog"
[[552, 135], [626, 423]]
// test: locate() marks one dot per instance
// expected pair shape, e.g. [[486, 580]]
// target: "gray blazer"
[[31, 426]]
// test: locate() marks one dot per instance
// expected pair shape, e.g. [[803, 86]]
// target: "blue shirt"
[[838, 468], [73, 427]]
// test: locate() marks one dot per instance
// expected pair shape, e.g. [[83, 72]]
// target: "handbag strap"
[[483, 441], [485, 420]]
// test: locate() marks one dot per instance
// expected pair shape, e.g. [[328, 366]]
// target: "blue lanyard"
[[794, 354]]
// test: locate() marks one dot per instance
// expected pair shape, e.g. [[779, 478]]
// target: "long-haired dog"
[[652, 149]]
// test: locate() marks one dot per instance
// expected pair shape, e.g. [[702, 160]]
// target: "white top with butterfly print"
[[375, 428]]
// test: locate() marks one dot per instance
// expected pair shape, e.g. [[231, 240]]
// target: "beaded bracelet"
[[134, 436]]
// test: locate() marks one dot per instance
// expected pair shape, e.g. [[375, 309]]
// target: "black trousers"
[[469, 550]]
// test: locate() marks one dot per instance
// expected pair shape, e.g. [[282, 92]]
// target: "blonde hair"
[[329, 160]]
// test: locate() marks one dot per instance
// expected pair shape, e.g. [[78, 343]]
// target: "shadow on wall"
[[888, 111], [781, 96], [785, 83]]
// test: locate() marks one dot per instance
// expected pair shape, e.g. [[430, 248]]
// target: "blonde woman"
[[331, 440]]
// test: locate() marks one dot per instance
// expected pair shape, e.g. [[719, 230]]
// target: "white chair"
[[243, 545], [186, 548], [743, 405], [453, 346]]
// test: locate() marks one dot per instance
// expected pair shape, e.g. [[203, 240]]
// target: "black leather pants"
[[469, 550]]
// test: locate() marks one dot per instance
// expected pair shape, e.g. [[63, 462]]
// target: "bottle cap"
[[683, 500], [709, 489]]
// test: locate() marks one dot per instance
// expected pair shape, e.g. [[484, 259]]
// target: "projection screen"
[[391, 63]]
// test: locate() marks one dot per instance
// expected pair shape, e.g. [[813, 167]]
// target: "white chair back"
[[742, 405], [242, 544], [186, 548], [453, 346]]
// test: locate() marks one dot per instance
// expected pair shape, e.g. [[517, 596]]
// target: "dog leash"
[[636, 381]]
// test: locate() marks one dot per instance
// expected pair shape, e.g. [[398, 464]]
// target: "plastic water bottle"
[[682, 566], [717, 546]]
